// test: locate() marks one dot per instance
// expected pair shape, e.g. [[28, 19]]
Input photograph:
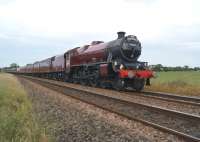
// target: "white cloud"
[[191, 45], [3, 36], [65, 17], [80, 21]]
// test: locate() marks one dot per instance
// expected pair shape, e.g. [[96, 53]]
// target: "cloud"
[[4, 2], [170, 27]]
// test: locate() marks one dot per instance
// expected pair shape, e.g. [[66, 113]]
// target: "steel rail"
[[194, 101], [189, 99], [72, 92]]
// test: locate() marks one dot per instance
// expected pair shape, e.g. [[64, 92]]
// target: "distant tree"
[[158, 67], [165, 69], [14, 65], [196, 68], [178, 68], [186, 67]]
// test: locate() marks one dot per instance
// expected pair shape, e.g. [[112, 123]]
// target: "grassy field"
[[17, 123], [182, 82]]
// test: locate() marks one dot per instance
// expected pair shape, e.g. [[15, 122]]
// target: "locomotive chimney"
[[121, 34]]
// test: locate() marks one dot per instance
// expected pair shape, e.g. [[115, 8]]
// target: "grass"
[[180, 82], [17, 123]]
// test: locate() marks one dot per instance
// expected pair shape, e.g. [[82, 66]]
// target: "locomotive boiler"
[[106, 64]]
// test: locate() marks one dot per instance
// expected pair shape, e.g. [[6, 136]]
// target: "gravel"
[[187, 108], [69, 120]]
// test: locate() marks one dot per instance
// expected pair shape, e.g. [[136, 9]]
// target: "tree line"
[[11, 68], [160, 67]]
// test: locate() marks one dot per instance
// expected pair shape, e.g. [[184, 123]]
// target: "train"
[[112, 64]]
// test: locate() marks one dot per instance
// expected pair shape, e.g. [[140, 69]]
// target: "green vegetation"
[[17, 123], [14, 65], [181, 82], [160, 67]]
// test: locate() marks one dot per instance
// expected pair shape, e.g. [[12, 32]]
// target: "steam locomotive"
[[106, 64]]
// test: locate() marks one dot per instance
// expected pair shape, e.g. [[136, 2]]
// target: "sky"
[[32, 30]]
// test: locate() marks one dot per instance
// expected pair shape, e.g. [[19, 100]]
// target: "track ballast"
[[184, 125]]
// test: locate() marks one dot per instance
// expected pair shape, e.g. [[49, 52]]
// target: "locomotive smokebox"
[[121, 34]]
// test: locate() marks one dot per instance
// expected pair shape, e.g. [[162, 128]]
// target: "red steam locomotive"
[[110, 64]]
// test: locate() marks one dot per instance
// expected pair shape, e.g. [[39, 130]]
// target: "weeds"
[[17, 123]]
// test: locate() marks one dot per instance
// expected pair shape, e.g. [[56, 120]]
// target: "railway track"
[[145, 98], [183, 125], [173, 97], [178, 103]]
